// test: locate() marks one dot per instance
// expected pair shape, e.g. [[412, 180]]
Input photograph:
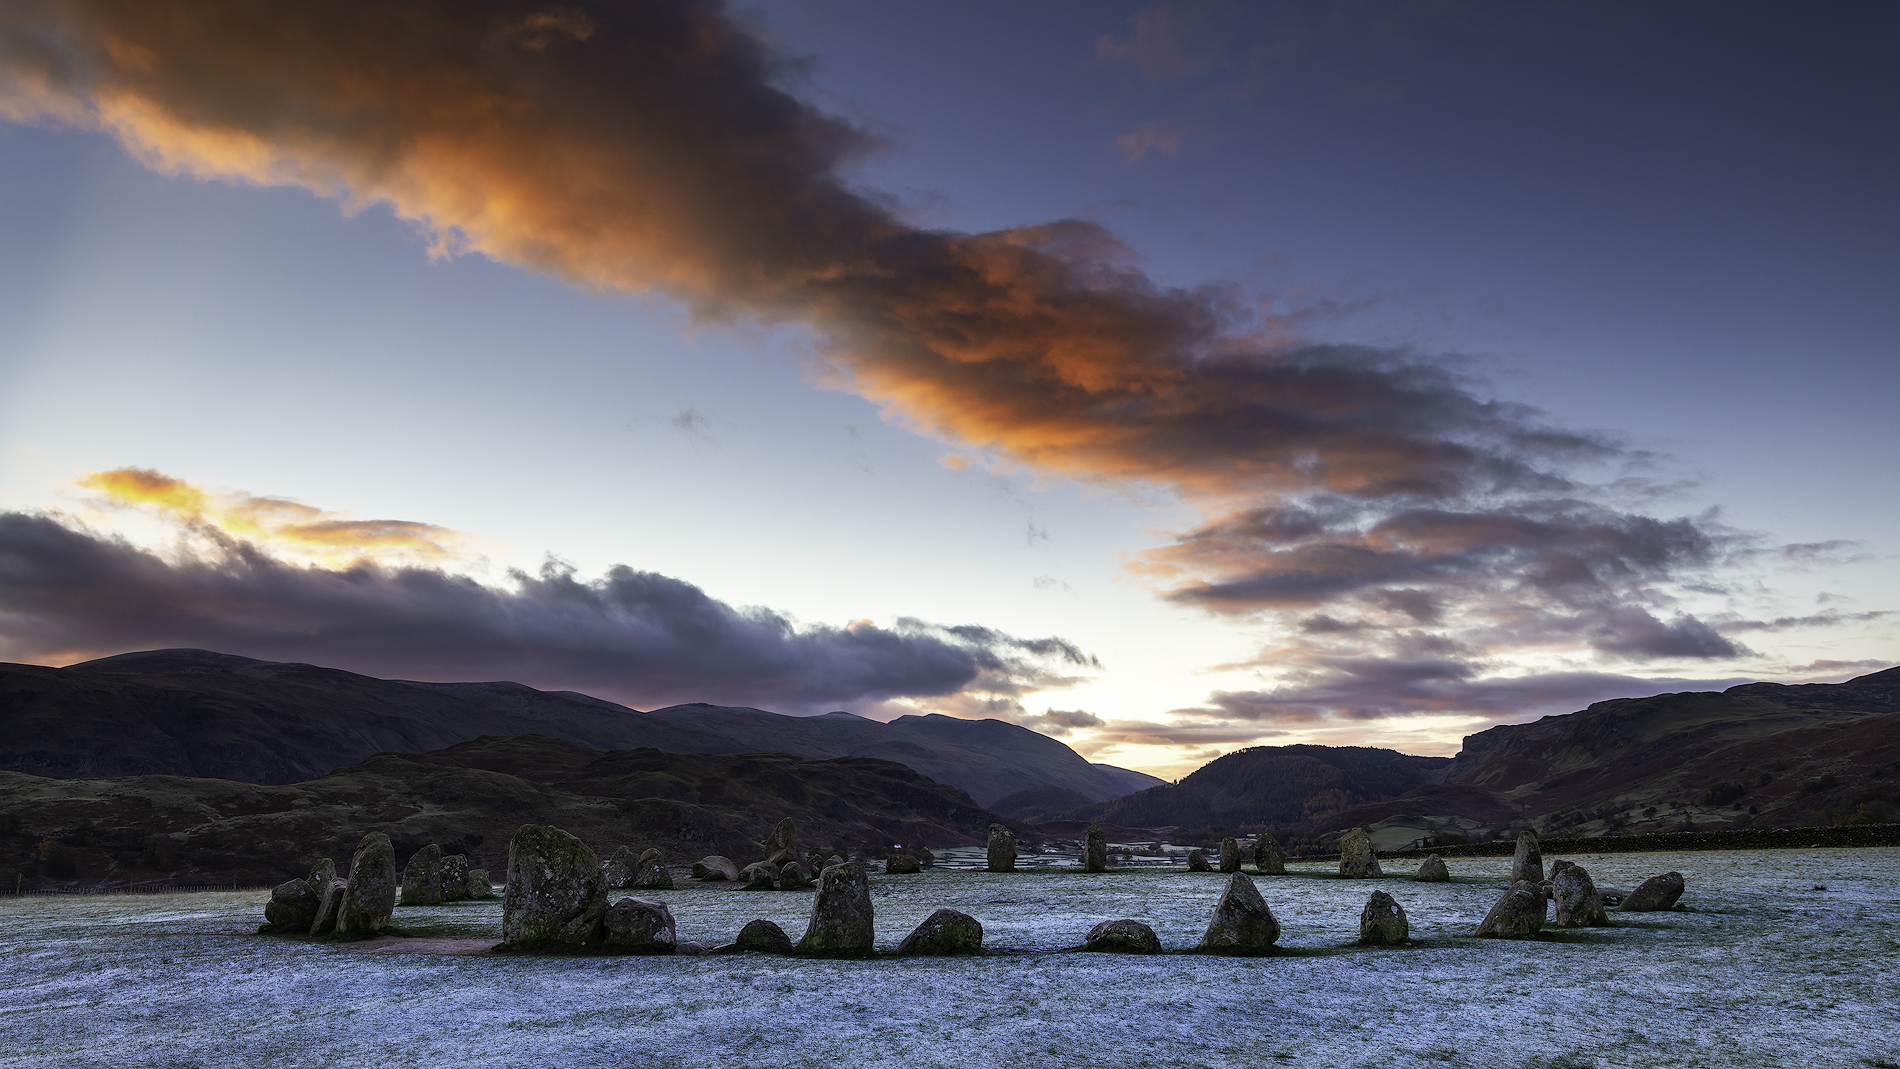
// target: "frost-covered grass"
[[1766, 972]]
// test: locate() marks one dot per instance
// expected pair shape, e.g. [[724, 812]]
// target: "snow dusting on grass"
[[1764, 970]]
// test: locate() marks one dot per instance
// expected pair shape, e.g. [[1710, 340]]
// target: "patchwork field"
[[1763, 968]]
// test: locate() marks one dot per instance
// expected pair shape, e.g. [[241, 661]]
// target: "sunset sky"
[[1166, 378]]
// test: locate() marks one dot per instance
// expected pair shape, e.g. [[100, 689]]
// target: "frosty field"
[[1766, 970]]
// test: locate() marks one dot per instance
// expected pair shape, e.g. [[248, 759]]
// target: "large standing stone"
[[715, 867], [639, 926], [760, 876], [1230, 855], [841, 922], [422, 877], [370, 896], [1242, 923], [651, 871], [292, 907], [1655, 893], [1095, 851], [902, 863], [478, 885], [1576, 899], [762, 936], [330, 906], [1527, 863], [1382, 922], [1002, 849], [945, 932], [1268, 858], [553, 898], [1197, 861], [782, 845], [454, 877], [1517, 913], [1433, 870], [1122, 937], [1356, 857]]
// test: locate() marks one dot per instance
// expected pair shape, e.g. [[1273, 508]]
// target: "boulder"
[[553, 898], [370, 895], [454, 877], [478, 885], [714, 867], [1527, 863], [292, 907], [639, 926], [902, 864], [762, 936], [1229, 855], [1197, 861], [1122, 937], [1382, 922], [1432, 870], [693, 947], [1095, 851], [782, 845], [1517, 913], [760, 876], [1356, 858], [925, 857], [1002, 849], [1268, 858], [1655, 893], [841, 923], [945, 932], [329, 906], [618, 872], [651, 871], [1242, 923], [322, 875], [1575, 897], [791, 877], [422, 877]]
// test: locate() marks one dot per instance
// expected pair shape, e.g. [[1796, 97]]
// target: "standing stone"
[[478, 885], [639, 926], [322, 875], [1575, 896], [1095, 852], [1268, 858], [1356, 857], [371, 894], [422, 877], [1197, 861], [841, 923], [1527, 863], [454, 877], [791, 877], [762, 936], [650, 870], [1229, 855], [1433, 870], [1242, 923], [715, 867], [945, 932], [903, 863], [1002, 849], [1122, 937], [760, 876], [1518, 912], [553, 898], [782, 845], [617, 872], [1382, 922], [292, 907], [1655, 893], [925, 857], [331, 905]]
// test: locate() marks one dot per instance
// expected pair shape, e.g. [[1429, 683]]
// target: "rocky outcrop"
[[554, 898], [650, 871], [369, 896], [762, 936], [454, 877], [1527, 863], [479, 885], [1197, 861], [1382, 922], [714, 867], [1653, 894], [760, 876], [292, 907], [782, 845], [1242, 923], [945, 932], [1122, 937], [1575, 898], [1268, 858], [422, 877], [902, 863], [1432, 870], [1095, 850], [841, 922], [639, 926], [1002, 849], [1356, 857], [328, 907], [1230, 855], [1519, 912]]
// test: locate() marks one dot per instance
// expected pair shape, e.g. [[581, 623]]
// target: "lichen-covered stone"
[[292, 907], [791, 877], [1122, 937], [1382, 922], [328, 908], [422, 877], [760, 876], [1527, 863], [1518, 912], [554, 898], [1268, 858], [1197, 861], [782, 845], [1241, 922], [1575, 898], [1230, 855], [370, 894], [714, 867], [1356, 857], [1655, 893], [651, 871], [763, 936], [841, 921], [322, 876], [454, 877], [944, 932], [639, 926], [1095, 850], [479, 885], [617, 872], [1432, 870], [1002, 857], [903, 863]]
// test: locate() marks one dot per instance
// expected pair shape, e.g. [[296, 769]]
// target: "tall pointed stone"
[[841, 922], [454, 877], [782, 845], [1002, 849], [369, 896], [1268, 858], [1095, 853], [1242, 923], [422, 877], [1230, 855], [555, 898], [1527, 863], [1356, 857]]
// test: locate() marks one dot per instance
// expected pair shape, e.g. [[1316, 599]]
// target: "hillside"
[[467, 798]]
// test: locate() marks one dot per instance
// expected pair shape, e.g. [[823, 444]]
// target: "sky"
[[1167, 378]]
